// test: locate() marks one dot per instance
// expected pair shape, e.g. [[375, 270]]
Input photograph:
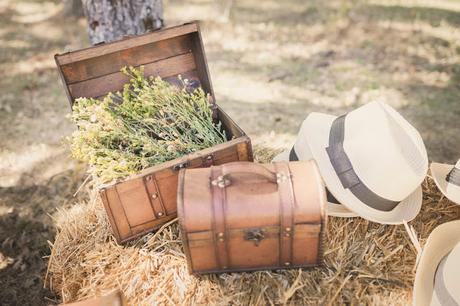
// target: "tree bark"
[[110, 20]]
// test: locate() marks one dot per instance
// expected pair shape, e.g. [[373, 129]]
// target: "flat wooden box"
[[114, 298], [147, 201]]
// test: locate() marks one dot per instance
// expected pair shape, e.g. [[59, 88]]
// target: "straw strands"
[[365, 262]]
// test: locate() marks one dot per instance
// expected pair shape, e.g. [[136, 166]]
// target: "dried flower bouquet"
[[149, 122]]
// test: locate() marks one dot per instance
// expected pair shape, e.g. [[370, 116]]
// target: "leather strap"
[[453, 177], [345, 172], [286, 195], [330, 198], [218, 206], [154, 196], [249, 168]]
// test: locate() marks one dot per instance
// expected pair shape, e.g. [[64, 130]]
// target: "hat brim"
[[339, 210], [333, 209], [439, 173], [440, 242], [318, 127]]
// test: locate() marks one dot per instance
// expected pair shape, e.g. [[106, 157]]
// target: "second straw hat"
[[372, 160], [437, 280], [447, 178]]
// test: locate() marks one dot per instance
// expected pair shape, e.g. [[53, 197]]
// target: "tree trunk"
[[110, 20]]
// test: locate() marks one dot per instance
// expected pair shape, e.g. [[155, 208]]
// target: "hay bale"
[[365, 262]]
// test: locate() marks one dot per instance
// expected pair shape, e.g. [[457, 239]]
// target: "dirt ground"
[[271, 62]]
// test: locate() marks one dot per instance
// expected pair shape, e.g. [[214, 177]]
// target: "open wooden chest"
[[146, 201]]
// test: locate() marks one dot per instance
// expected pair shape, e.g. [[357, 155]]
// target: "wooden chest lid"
[[95, 71]]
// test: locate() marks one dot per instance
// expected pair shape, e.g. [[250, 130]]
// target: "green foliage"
[[149, 122]]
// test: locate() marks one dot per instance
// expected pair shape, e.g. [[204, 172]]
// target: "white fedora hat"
[[372, 160], [301, 151], [437, 280], [447, 178]]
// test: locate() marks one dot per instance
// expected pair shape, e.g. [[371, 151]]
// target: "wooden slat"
[[124, 44], [150, 226], [136, 56], [223, 153], [116, 210], [135, 201], [190, 75], [201, 63], [113, 82], [231, 128]]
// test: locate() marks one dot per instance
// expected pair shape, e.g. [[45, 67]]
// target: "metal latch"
[[221, 182], [181, 166], [254, 234], [207, 161]]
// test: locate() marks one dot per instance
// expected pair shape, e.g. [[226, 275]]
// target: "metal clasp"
[[281, 177], [207, 161], [180, 166], [254, 234], [221, 182]]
